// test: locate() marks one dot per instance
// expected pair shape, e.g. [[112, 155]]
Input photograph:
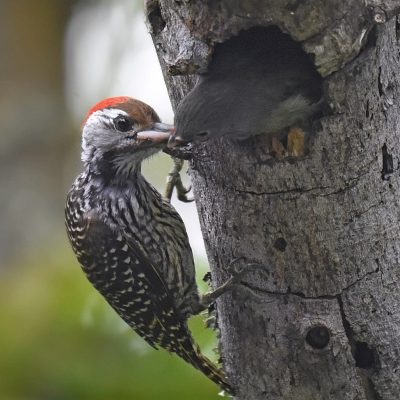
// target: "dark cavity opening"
[[155, 18], [280, 244], [387, 163], [264, 64], [318, 337], [365, 356]]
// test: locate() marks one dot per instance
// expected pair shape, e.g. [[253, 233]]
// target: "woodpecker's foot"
[[236, 273], [277, 148], [174, 181], [295, 146], [296, 142]]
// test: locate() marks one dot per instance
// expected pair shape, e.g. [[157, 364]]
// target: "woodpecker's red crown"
[[142, 113]]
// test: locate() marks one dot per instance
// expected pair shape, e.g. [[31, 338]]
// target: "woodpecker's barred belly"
[[117, 259], [120, 239]]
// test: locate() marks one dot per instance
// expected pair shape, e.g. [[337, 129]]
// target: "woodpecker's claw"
[[174, 181], [182, 191], [236, 276], [295, 144]]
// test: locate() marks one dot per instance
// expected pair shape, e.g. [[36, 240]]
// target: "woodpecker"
[[259, 82], [131, 243]]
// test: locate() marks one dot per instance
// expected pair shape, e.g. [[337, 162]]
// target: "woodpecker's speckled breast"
[[114, 244], [137, 215]]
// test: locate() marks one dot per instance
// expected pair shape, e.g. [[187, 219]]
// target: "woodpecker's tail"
[[212, 371], [192, 354]]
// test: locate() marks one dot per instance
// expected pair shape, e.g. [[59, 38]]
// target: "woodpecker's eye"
[[123, 124]]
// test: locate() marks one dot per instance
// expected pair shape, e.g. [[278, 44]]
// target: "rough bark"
[[322, 320]]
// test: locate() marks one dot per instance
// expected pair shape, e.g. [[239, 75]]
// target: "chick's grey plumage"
[[258, 82], [130, 242]]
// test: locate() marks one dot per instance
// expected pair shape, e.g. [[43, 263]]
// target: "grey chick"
[[259, 82]]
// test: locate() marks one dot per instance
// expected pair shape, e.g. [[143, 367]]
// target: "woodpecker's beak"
[[158, 135], [175, 141]]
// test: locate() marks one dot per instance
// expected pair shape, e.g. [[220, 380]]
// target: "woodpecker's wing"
[[129, 282]]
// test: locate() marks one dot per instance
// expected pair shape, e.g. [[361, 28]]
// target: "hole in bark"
[[371, 39], [260, 67], [318, 337], [398, 28], [155, 18], [280, 244], [387, 164], [365, 357], [367, 109], [380, 88]]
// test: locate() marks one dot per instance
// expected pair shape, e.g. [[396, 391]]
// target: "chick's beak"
[[160, 133]]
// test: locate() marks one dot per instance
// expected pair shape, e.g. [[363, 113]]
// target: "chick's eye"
[[123, 124]]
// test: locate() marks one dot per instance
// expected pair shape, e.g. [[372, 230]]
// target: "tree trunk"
[[322, 320]]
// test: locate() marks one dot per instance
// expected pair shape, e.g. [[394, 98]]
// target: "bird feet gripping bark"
[[174, 180], [295, 144], [237, 272]]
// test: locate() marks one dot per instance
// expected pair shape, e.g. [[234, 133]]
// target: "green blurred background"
[[58, 337]]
